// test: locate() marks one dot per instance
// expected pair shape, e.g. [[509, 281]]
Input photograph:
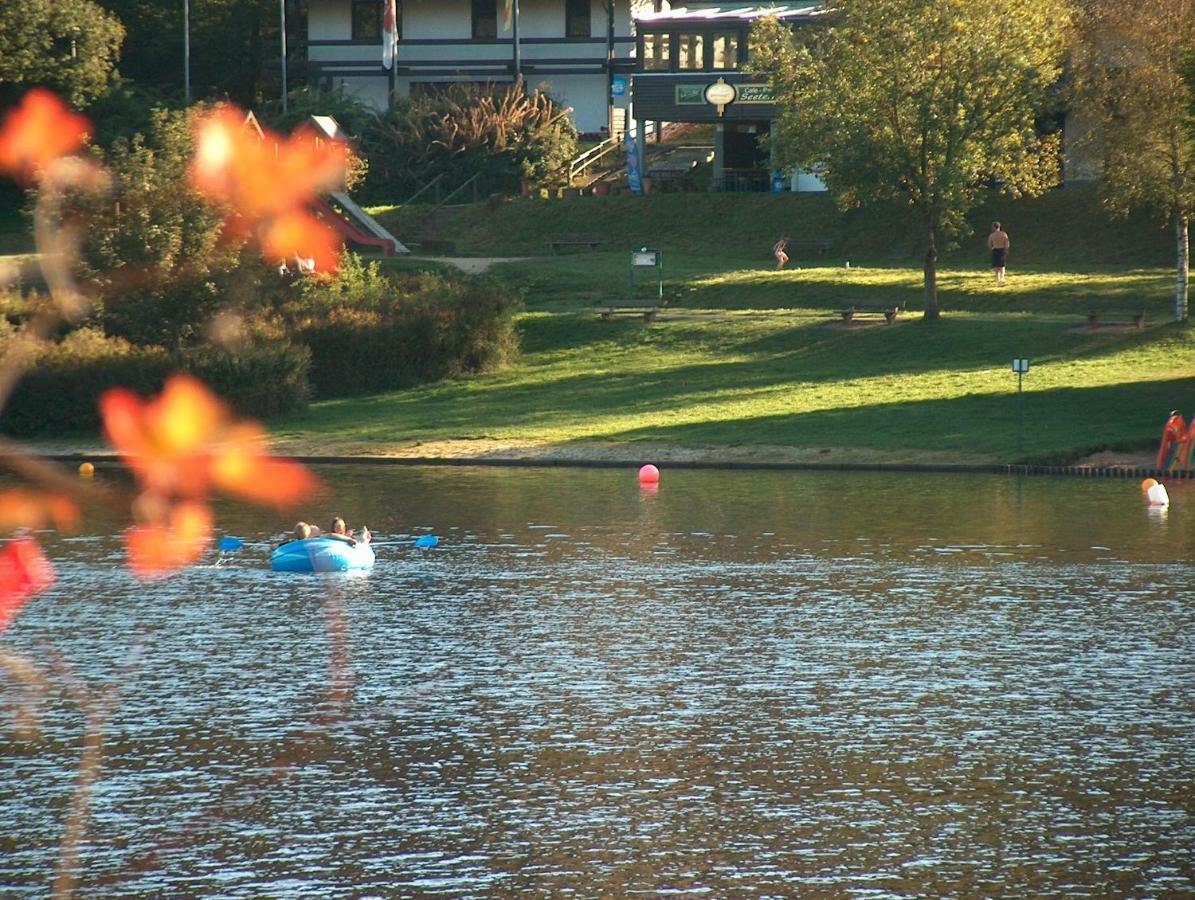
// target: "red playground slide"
[[350, 232], [1172, 435]]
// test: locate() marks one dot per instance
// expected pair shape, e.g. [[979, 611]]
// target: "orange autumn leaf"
[[268, 183], [20, 508], [185, 441], [165, 440], [24, 571], [159, 548], [240, 468], [38, 131]]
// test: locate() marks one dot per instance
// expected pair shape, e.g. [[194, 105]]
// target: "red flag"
[[389, 34], [508, 15]]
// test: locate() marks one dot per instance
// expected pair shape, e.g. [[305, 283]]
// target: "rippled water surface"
[[744, 684]]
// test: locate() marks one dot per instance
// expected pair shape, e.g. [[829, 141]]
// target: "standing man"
[[998, 243]]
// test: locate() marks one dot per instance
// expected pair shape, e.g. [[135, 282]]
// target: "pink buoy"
[[649, 474]]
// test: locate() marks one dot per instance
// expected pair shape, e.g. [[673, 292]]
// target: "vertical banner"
[[389, 34], [634, 164]]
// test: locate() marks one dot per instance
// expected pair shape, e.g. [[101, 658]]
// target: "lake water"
[[743, 684]]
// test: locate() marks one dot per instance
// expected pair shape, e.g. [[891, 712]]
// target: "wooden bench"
[[648, 313], [1098, 317], [809, 246], [574, 240], [859, 311]]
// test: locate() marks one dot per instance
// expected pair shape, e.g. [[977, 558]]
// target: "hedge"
[[60, 393]]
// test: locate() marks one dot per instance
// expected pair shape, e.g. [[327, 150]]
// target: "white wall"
[[451, 20]]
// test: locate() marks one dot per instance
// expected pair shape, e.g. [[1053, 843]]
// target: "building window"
[[367, 21], [726, 50], [485, 19], [690, 51], [576, 18], [656, 52]]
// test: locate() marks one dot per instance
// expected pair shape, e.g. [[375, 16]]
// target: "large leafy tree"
[[235, 46], [72, 46], [1135, 68], [927, 101]]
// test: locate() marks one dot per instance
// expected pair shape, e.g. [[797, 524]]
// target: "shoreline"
[[741, 458]]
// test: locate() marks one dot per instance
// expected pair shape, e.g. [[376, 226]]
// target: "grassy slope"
[[788, 375], [791, 380]]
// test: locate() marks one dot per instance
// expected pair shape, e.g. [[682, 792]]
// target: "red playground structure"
[[1178, 440]]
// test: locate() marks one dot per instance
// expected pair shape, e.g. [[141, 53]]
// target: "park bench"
[[860, 311], [648, 313], [574, 240], [808, 246], [1098, 317]]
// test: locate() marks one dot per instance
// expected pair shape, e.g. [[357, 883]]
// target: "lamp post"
[[282, 13], [187, 50]]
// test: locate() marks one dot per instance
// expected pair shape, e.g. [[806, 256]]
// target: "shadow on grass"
[[1059, 425], [564, 389]]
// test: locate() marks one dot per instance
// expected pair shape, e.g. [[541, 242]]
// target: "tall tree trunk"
[[1183, 274], [931, 271]]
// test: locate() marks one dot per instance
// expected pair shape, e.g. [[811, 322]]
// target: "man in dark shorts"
[[998, 243]]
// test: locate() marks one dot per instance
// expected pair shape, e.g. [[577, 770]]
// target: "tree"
[[921, 100], [72, 46], [159, 254], [1135, 74], [234, 46]]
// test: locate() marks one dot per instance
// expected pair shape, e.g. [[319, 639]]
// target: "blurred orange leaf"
[[240, 468], [24, 571], [268, 182], [185, 441], [20, 508], [38, 131], [159, 548]]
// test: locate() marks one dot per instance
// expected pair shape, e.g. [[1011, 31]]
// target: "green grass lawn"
[[579, 280], [914, 391]]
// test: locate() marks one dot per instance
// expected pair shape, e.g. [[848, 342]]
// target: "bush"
[[60, 394], [503, 133], [367, 332], [258, 379]]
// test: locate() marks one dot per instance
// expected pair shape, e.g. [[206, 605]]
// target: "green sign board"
[[755, 93], [694, 94]]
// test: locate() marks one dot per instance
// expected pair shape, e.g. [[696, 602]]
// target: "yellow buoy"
[[86, 470]]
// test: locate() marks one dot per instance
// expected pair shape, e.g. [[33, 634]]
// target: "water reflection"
[[741, 684]]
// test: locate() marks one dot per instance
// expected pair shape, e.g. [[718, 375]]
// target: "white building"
[[581, 49]]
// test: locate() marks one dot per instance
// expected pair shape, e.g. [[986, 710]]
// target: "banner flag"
[[508, 15], [389, 34]]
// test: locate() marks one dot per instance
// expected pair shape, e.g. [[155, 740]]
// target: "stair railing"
[[433, 183], [475, 181]]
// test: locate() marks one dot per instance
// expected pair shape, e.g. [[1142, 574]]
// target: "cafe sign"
[[720, 94]]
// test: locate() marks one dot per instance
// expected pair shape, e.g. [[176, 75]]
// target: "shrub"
[[259, 379], [367, 332], [503, 133], [60, 393]]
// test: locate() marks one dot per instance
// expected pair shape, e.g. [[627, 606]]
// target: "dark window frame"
[[708, 34], [484, 20], [366, 21], [577, 12]]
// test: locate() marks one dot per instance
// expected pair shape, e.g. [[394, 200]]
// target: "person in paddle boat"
[[340, 530]]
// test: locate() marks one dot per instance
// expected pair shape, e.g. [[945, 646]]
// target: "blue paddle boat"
[[322, 554]]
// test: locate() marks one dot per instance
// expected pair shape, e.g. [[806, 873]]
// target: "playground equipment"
[[351, 222], [1178, 442]]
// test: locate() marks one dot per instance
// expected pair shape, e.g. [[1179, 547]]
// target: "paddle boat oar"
[[427, 540]]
